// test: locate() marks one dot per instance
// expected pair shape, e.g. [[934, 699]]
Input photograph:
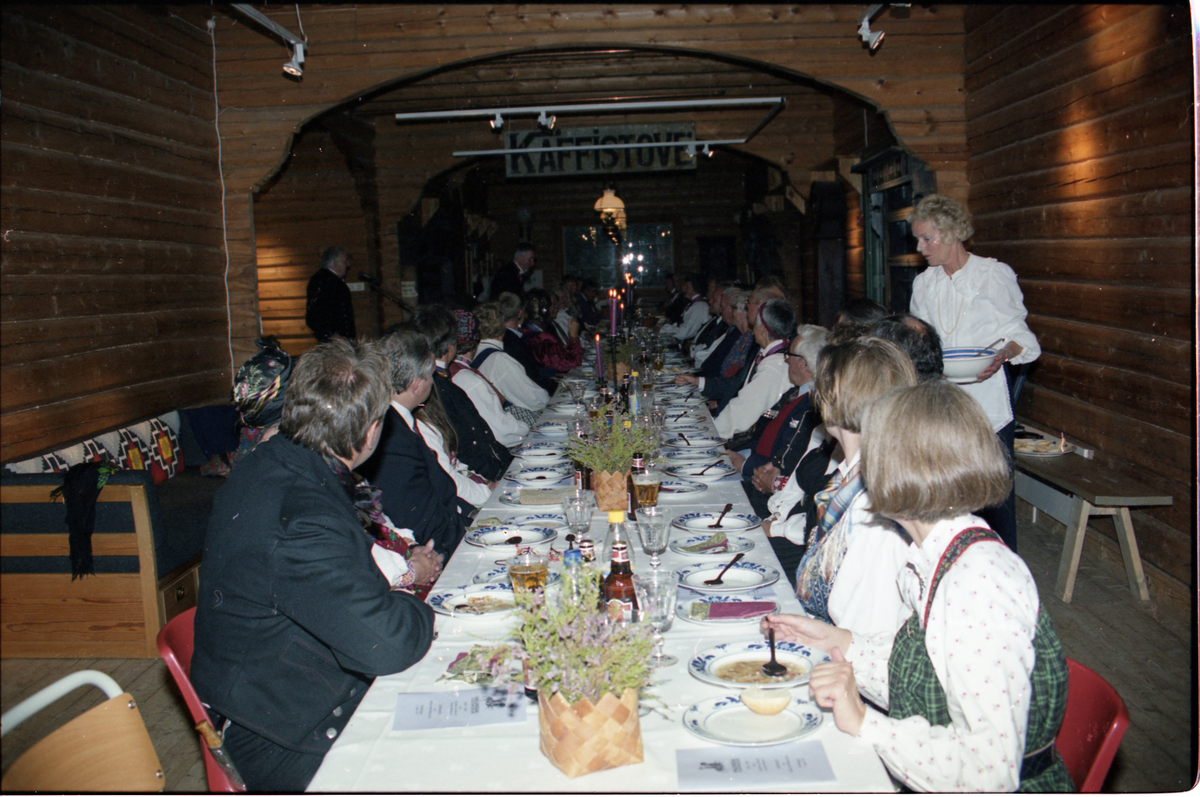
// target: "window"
[[647, 251]]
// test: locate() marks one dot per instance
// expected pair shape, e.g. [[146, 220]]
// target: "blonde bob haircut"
[[491, 321], [929, 454], [949, 216], [851, 375]]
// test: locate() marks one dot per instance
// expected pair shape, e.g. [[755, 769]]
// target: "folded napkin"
[[487, 522], [544, 497], [729, 611], [717, 541]]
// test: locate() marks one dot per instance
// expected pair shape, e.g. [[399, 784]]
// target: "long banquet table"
[[371, 756]]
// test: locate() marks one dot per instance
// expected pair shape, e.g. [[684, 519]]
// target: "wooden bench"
[[1088, 490]]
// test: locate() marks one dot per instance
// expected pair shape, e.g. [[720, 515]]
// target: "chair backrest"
[[1092, 727], [176, 641], [106, 748]]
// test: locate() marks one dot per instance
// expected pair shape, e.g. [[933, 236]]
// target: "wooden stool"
[[1094, 491]]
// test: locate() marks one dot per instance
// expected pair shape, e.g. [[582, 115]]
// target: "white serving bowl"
[[964, 365]]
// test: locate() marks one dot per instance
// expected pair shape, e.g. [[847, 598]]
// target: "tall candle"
[[612, 312], [599, 367]]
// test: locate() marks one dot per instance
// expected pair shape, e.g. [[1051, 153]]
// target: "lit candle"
[[599, 367], [612, 312]]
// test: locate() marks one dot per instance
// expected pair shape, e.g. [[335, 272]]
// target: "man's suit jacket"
[[712, 365], [723, 389], [298, 620], [507, 278], [417, 493]]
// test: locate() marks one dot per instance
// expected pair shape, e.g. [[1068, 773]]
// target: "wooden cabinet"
[[893, 181]]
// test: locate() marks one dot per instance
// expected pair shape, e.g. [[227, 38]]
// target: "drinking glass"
[[528, 571], [578, 510], [654, 526], [645, 487], [656, 605]]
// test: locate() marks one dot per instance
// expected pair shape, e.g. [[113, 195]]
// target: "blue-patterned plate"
[[499, 575], [540, 477], [545, 520], [689, 429], [552, 429], [509, 536], [493, 600], [712, 665], [683, 401], [689, 456], [699, 472], [672, 439], [671, 490], [726, 720], [731, 522], [741, 577]]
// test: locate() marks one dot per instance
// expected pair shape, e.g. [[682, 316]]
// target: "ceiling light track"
[[607, 107], [690, 145]]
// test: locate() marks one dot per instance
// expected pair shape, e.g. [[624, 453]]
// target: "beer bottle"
[[620, 600]]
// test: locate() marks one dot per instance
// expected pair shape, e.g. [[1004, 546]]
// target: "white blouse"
[[468, 489], [509, 431], [980, 640], [980, 303], [510, 378]]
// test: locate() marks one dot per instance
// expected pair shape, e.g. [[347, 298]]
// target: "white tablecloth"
[[370, 756]]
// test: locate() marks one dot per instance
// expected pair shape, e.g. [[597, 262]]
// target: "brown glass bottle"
[[620, 600]]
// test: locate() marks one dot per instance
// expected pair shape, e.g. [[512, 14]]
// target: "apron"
[[914, 689]]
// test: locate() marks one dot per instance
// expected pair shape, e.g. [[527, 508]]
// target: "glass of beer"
[[528, 571], [645, 487]]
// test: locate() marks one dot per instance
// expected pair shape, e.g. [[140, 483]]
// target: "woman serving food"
[[975, 683], [973, 301]]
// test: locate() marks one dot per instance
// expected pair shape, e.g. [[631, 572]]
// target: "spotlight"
[[691, 150], [497, 123], [293, 67], [873, 39], [707, 151], [546, 121]]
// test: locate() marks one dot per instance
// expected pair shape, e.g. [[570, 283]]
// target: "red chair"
[[175, 645], [1092, 727]]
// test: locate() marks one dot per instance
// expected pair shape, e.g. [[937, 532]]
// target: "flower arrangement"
[[610, 449], [568, 648]]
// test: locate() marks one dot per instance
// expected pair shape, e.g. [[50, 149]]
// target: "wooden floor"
[[1146, 650]]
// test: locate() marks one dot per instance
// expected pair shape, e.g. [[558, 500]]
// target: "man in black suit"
[[293, 618], [512, 311], [510, 277], [328, 310], [417, 493]]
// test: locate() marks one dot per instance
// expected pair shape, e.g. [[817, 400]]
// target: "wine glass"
[[655, 529], [578, 511], [656, 605]]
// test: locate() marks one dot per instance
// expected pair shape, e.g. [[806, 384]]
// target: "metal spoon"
[[712, 582], [773, 668], [516, 540], [681, 434], [721, 516]]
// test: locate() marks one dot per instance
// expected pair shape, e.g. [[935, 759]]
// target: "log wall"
[[112, 273], [313, 204], [1080, 123]]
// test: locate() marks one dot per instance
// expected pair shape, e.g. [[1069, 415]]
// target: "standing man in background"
[[329, 312], [511, 276]]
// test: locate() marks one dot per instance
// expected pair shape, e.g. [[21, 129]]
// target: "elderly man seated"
[[418, 494], [293, 619], [767, 376]]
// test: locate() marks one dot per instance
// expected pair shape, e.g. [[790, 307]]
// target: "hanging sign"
[[598, 150]]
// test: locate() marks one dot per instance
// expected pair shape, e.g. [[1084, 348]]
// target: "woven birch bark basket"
[[584, 737], [611, 490]]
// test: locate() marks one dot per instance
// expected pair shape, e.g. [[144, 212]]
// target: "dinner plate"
[[499, 536], [731, 522], [683, 401], [553, 429], [684, 456], [539, 477], [736, 544], [689, 429], [676, 490], [684, 610], [674, 422], [702, 441], [726, 720], [741, 577], [692, 473], [458, 602], [499, 575], [706, 664]]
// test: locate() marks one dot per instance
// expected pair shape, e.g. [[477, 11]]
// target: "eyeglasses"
[[790, 356]]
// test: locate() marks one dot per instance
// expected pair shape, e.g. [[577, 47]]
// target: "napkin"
[[487, 522], [716, 541], [544, 497], [729, 611]]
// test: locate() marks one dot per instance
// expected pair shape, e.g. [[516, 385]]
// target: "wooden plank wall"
[[1080, 125], [111, 278], [313, 204]]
